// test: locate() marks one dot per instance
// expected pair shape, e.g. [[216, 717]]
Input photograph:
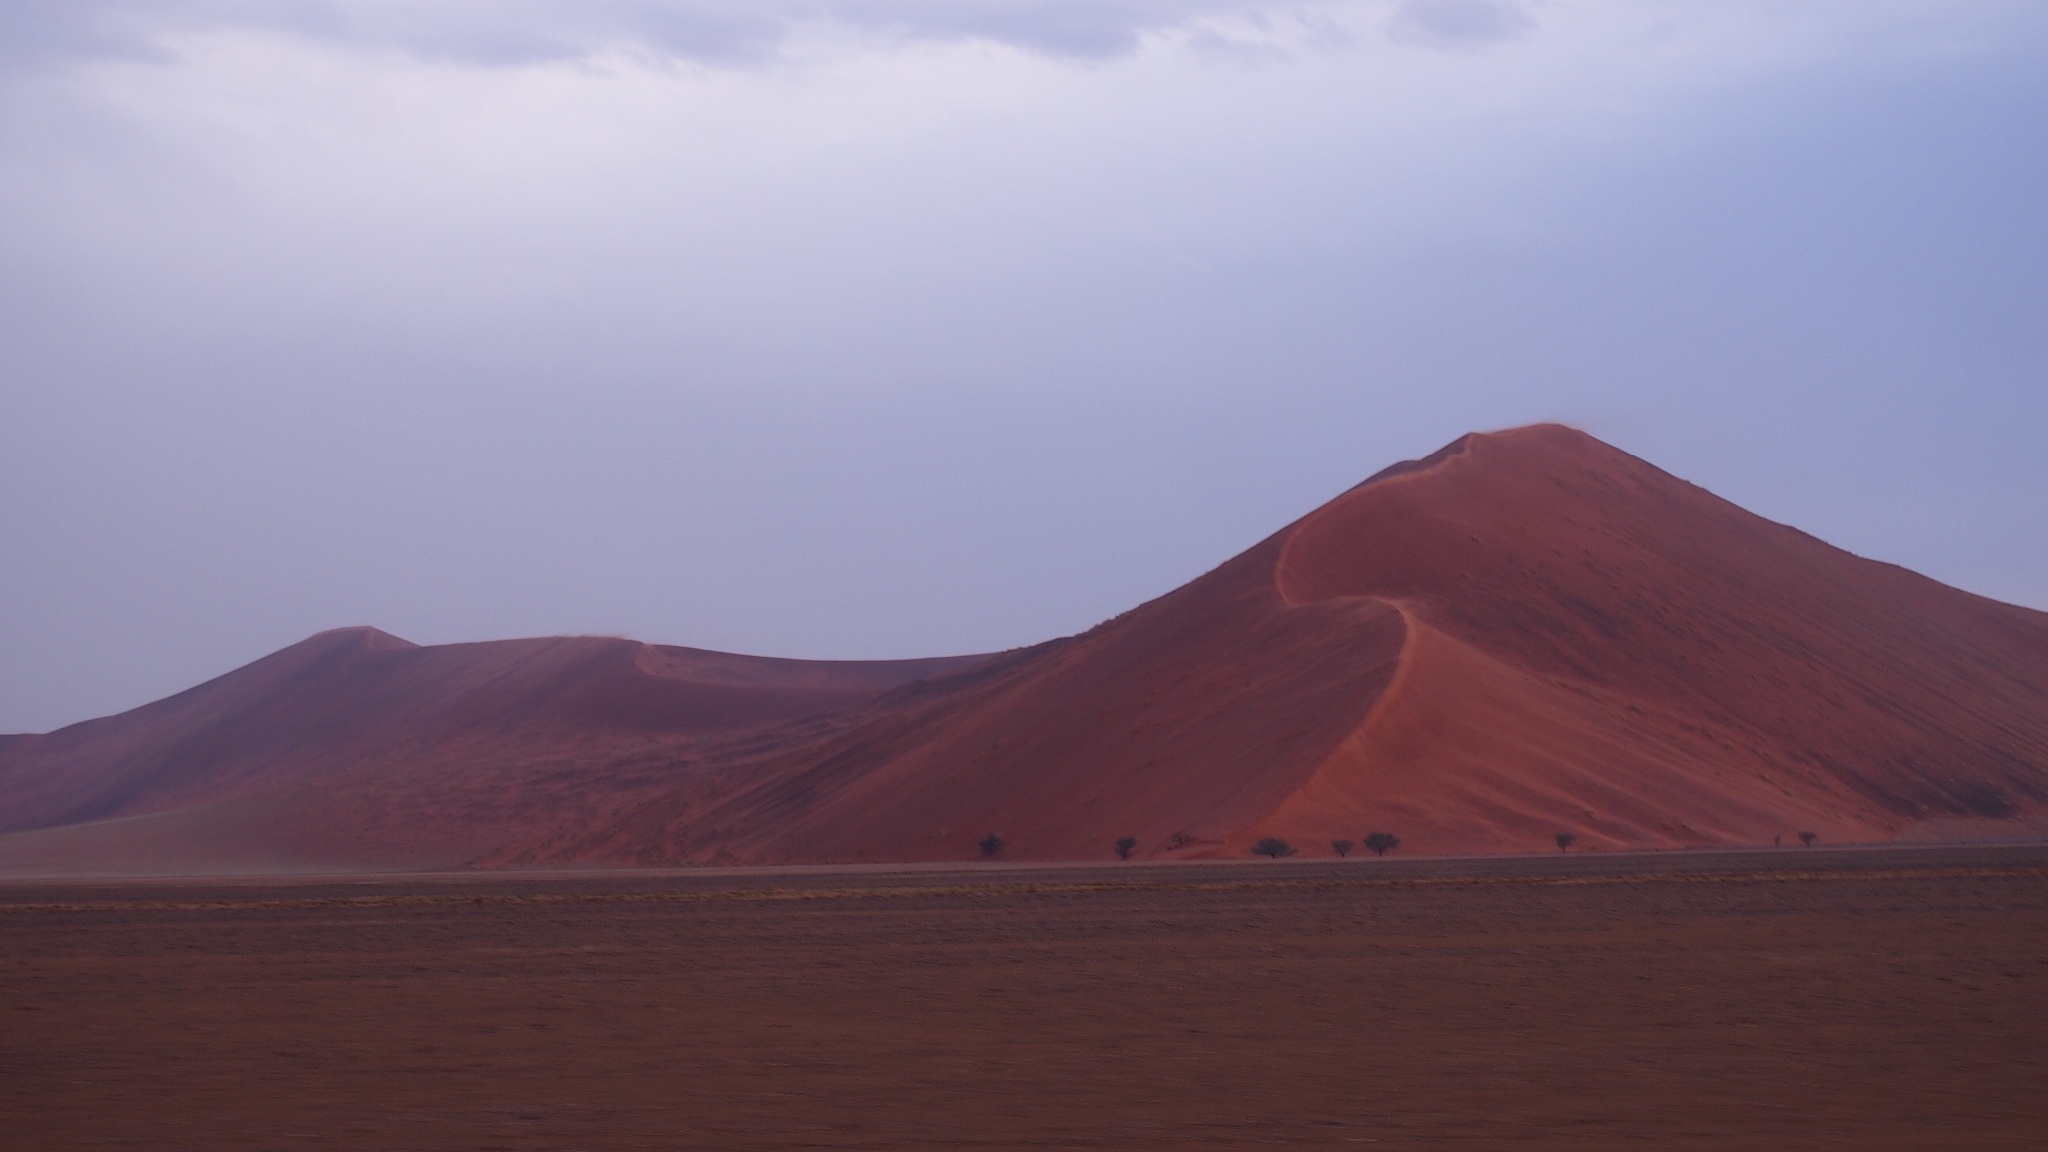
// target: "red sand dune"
[[356, 748], [1525, 633]]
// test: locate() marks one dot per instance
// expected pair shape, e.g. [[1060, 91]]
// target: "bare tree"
[[991, 844], [1274, 847], [1125, 846], [1382, 842], [1807, 838], [1341, 847], [1565, 841]]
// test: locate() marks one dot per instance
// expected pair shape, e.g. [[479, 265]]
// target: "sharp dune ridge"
[[1525, 633]]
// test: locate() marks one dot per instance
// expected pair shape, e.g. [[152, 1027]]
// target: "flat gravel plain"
[[1810, 999]]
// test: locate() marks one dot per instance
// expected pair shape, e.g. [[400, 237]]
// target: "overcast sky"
[[907, 327]]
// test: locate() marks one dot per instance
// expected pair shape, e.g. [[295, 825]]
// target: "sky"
[[883, 328]]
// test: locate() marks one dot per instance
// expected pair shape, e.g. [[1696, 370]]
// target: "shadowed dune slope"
[[1526, 633], [1190, 717]]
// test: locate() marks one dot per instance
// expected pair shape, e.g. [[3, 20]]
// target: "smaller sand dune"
[[357, 748]]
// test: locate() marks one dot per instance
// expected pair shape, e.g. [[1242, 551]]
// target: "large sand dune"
[[1525, 633]]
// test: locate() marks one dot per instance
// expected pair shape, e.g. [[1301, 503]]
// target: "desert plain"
[[1794, 998]]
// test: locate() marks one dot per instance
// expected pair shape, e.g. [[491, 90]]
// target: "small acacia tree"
[[1125, 846], [1274, 847], [1807, 838], [991, 844], [1341, 847], [1382, 842], [1565, 841]]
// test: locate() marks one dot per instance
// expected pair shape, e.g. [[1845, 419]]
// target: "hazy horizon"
[[897, 328]]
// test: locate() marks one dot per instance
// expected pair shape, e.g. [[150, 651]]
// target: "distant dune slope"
[[357, 747], [1526, 633]]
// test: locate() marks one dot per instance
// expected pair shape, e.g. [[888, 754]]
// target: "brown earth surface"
[[1810, 999]]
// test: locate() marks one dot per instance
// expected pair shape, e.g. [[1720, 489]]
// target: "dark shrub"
[[1382, 842], [1125, 846], [1565, 841], [991, 844], [1273, 846], [1807, 838], [1341, 847]]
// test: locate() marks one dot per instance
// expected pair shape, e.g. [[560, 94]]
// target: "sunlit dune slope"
[[1599, 648], [1527, 633]]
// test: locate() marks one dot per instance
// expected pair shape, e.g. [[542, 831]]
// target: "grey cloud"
[[1460, 23], [44, 31], [32, 31]]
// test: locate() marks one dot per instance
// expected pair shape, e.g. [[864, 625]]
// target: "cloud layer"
[[728, 31]]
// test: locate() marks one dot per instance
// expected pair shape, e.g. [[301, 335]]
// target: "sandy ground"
[[1796, 999]]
